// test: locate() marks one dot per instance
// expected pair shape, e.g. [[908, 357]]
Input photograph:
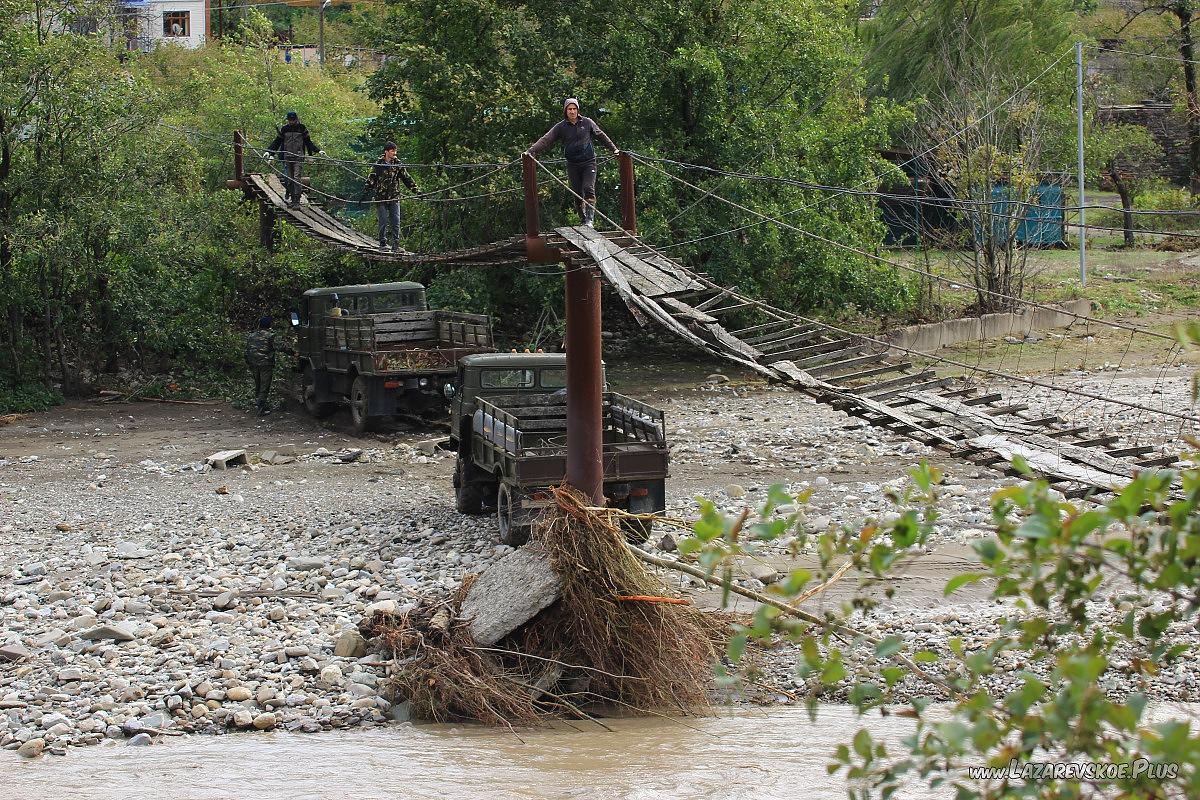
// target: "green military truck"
[[379, 349], [509, 429]]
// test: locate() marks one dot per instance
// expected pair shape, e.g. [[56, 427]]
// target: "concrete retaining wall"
[[936, 335]]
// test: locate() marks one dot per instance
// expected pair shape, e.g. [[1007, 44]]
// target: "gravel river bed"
[[144, 595]]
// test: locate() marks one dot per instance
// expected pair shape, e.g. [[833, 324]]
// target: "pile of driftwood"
[[570, 626]]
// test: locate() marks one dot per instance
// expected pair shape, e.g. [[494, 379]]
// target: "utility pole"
[[1079, 166], [321, 33], [220, 18]]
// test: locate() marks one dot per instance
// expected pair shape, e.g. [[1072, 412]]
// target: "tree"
[[767, 86], [1125, 156], [934, 42]]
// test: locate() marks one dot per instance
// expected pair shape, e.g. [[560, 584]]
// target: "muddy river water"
[[777, 753]]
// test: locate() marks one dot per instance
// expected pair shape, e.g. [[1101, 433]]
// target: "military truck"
[[509, 429], [380, 349]]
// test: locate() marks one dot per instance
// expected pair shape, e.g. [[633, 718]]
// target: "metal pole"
[[585, 383], [1079, 166], [239, 149], [628, 205], [321, 33], [529, 181]]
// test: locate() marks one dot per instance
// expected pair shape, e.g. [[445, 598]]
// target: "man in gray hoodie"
[[576, 133]]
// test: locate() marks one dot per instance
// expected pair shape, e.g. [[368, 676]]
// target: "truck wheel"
[[308, 393], [468, 495], [637, 531], [511, 534], [360, 410]]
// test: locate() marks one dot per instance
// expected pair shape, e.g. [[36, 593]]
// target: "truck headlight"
[[422, 382], [449, 391]]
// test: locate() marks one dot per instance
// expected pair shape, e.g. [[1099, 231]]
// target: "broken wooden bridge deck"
[[852, 373]]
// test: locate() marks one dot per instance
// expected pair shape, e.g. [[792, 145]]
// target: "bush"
[[30, 397]]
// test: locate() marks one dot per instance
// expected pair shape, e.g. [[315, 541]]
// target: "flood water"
[[777, 753]]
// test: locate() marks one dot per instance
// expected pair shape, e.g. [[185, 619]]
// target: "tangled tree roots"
[[587, 652]]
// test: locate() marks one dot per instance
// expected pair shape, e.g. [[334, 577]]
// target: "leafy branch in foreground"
[[1054, 572]]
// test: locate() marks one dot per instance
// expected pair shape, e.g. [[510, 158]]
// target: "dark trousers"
[[388, 215], [291, 179], [582, 178], [262, 387]]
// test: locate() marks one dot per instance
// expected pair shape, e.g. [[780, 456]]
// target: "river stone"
[[13, 651], [510, 593], [114, 631], [264, 721], [762, 572], [32, 749], [238, 694], [350, 644], [139, 740]]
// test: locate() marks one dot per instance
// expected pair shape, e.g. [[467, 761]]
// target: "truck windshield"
[[507, 379], [397, 301], [554, 378]]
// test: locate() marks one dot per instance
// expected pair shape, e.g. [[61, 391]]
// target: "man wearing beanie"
[[385, 179], [292, 143], [576, 133]]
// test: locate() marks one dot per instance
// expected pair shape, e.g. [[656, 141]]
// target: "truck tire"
[[469, 496], [360, 406], [637, 531], [511, 534], [308, 395]]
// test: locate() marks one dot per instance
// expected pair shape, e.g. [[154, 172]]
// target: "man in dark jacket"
[[261, 348], [385, 179], [291, 145], [576, 133]]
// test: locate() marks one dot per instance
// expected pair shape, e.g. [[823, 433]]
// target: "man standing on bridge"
[[291, 145], [385, 179], [576, 132]]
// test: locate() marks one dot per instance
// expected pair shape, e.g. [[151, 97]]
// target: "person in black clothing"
[[291, 145], [577, 132], [384, 180]]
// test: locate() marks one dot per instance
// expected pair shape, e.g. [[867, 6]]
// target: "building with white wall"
[[147, 24]]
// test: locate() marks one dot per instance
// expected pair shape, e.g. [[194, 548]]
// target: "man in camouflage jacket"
[[261, 348], [384, 180]]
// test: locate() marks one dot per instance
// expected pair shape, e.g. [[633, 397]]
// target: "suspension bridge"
[[891, 388]]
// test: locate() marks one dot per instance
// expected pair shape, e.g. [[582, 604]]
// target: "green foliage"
[[768, 86], [32, 397], [921, 45], [1051, 563], [118, 248]]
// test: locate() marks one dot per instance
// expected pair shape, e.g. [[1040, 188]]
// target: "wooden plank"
[[681, 309], [1002, 410], [910, 379], [852, 362], [1067, 431], [802, 353], [730, 342], [1101, 441], [762, 326], [1161, 461], [726, 309], [715, 299], [1140, 450], [1047, 463], [666, 282], [933, 384], [867, 373], [826, 357], [779, 334], [983, 399]]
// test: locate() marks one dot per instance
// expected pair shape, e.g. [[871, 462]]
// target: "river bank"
[[152, 594]]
